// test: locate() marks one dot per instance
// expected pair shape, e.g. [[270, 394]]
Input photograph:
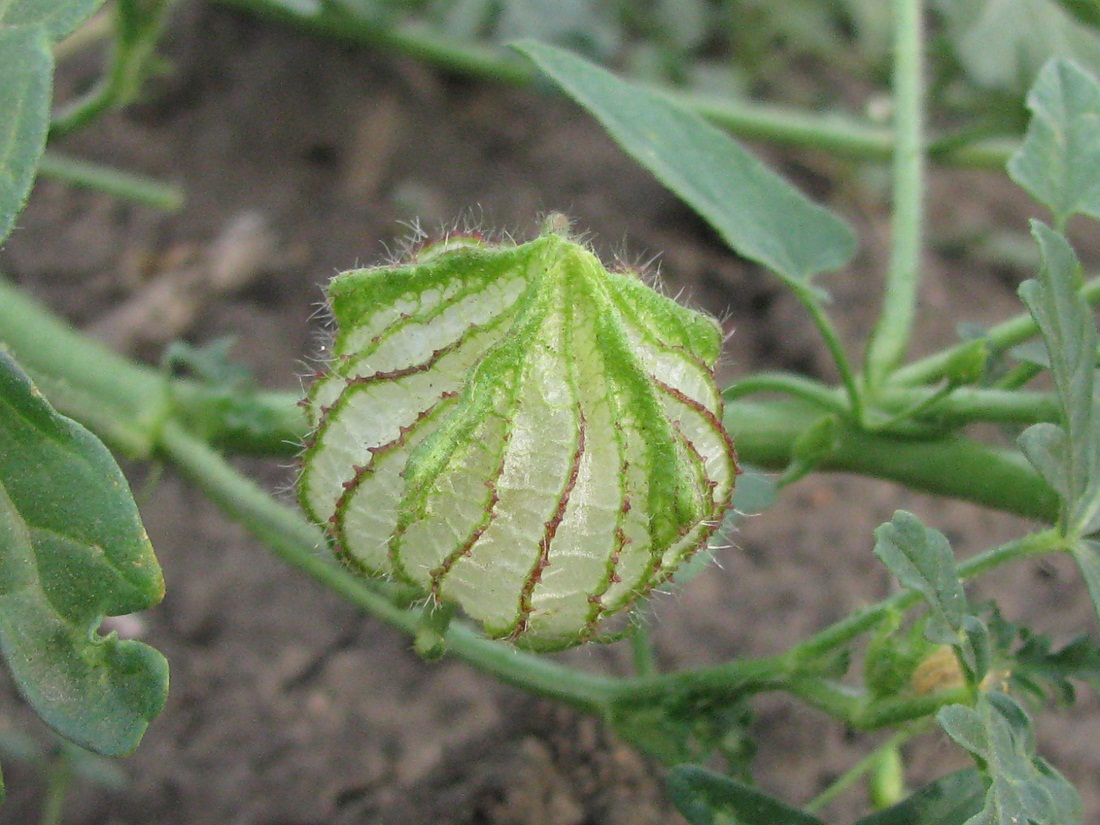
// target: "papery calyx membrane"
[[517, 430]]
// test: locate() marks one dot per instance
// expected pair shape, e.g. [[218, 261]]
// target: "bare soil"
[[302, 157]]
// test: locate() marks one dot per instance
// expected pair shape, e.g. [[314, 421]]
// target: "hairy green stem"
[[794, 671], [834, 133], [965, 405], [125, 403], [59, 779], [835, 346], [952, 466], [1001, 337], [790, 384], [890, 338], [303, 546], [137, 28], [1034, 544], [641, 646], [112, 181], [120, 400]]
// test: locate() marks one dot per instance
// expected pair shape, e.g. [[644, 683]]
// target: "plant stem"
[[137, 27], [410, 39], [125, 403], [641, 646], [793, 671], [964, 405], [1034, 544], [59, 777], [837, 134], [298, 543], [830, 132], [112, 181], [890, 338], [832, 340], [856, 772], [795, 386], [765, 432], [120, 400], [303, 546], [1001, 337]]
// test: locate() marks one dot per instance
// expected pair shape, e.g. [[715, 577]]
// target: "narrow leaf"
[[1068, 328], [25, 82], [708, 798], [759, 214], [1023, 787], [922, 560], [947, 801], [1059, 162], [72, 550]]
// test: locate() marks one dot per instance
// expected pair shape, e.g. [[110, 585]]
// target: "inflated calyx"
[[516, 430]]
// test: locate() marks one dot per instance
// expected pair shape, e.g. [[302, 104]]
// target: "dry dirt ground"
[[301, 157]]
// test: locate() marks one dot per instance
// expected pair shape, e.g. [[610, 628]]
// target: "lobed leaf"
[[1068, 457], [708, 798], [72, 551], [1059, 161], [1079, 659], [758, 213], [922, 560], [1023, 787]]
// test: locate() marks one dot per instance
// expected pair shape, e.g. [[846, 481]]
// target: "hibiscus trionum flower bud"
[[518, 431]]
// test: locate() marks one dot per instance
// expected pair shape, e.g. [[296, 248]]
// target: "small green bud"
[[967, 365], [518, 431], [887, 780]]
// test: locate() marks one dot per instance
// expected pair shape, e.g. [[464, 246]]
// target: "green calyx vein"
[[518, 431]]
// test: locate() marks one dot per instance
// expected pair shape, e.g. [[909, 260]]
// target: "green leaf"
[[922, 560], [1080, 659], [72, 551], [969, 364], [948, 801], [1059, 161], [708, 798], [1023, 787], [1002, 44], [25, 84], [1067, 457], [759, 214]]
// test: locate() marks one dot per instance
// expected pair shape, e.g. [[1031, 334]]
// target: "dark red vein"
[[550, 529]]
